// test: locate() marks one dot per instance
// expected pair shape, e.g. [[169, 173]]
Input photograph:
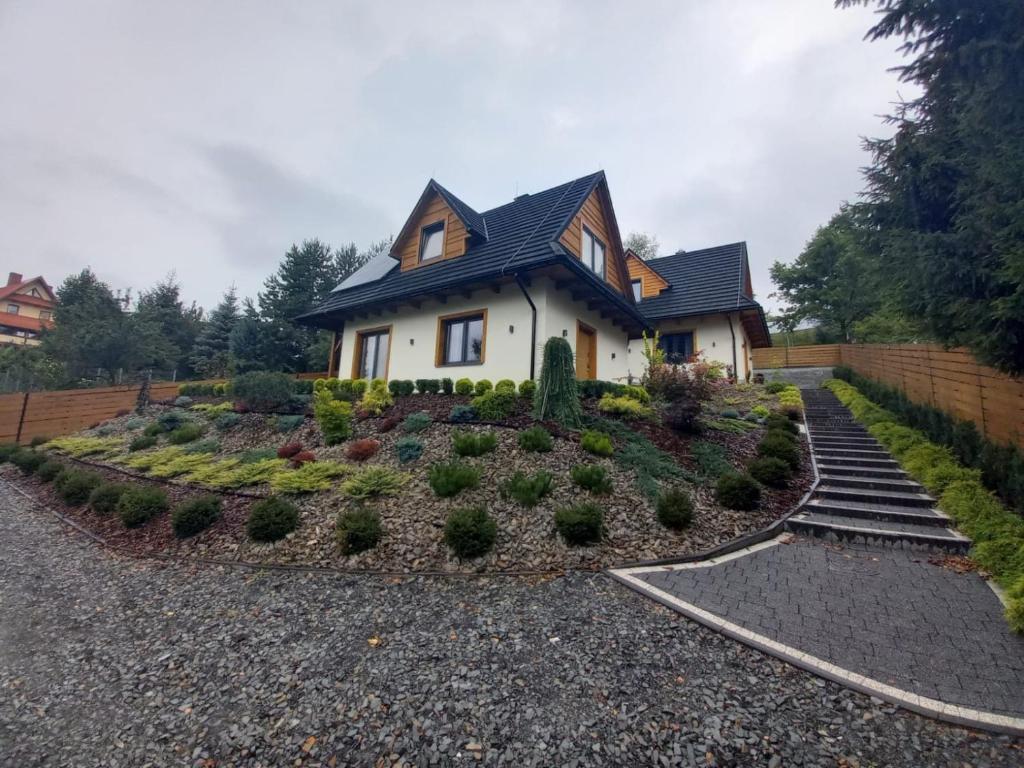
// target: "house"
[[477, 294], [26, 307]]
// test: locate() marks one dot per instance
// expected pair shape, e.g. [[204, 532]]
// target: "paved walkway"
[[867, 601]]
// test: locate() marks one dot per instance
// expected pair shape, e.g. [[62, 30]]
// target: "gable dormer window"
[[593, 252], [638, 289], [432, 241], [35, 293]]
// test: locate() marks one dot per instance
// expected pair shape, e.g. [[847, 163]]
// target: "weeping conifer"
[[558, 397]]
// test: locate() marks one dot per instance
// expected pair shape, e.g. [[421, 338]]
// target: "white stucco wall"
[[711, 336], [506, 352]]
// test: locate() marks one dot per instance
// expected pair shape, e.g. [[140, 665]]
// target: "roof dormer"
[[440, 227]]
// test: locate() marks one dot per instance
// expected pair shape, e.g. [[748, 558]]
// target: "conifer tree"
[[211, 355]]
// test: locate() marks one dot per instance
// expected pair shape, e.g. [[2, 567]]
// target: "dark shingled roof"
[[702, 282], [520, 236], [474, 221]]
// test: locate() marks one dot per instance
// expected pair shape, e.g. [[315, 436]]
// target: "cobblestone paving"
[[881, 612], [115, 663]]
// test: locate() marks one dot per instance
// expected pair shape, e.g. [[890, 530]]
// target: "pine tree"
[[211, 355]]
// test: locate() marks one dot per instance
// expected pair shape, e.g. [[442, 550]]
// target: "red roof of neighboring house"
[[10, 289], [23, 322]]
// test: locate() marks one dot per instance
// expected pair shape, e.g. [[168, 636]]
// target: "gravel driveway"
[[111, 662]]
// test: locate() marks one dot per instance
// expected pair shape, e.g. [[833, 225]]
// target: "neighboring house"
[[700, 302], [26, 307], [468, 294]]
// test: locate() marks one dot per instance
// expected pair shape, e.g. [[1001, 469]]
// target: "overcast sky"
[[207, 137]]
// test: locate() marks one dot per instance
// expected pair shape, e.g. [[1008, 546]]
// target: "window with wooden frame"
[[432, 241], [13, 309], [638, 289], [592, 252], [372, 353], [462, 338], [678, 347]]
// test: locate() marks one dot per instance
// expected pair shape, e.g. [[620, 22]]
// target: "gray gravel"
[[111, 662]]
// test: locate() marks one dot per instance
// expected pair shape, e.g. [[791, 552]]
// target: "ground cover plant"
[[408, 449], [309, 477], [374, 482]]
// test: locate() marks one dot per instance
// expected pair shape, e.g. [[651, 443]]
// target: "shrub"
[[669, 383], [183, 401], [771, 471], [358, 530], [361, 450], [737, 491], [505, 385], [597, 443], [395, 387], [227, 421], [591, 389], [777, 445], [153, 430], [527, 489], [494, 406], [302, 386], [373, 482], [470, 532], [303, 457], [6, 451], [760, 412], [636, 393], [359, 387], [105, 496], [262, 390], [388, 423], [197, 389], [729, 413], [464, 387], [428, 386], [333, 416], [558, 396], [462, 413], [169, 421], [195, 516], [447, 386], [682, 415], [408, 449], [450, 478], [186, 433], [592, 477], [482, 387], [580, 524], [254, 455], [623, 406], [271, 519], [536, 439], [27, 460], [527, 388], [38, 440], [49, 470], [416, 422], [774, 387], [376, 400], [140, 504], [308, 477], [779, 421], [474, 443], [674, 509], [288, 422]]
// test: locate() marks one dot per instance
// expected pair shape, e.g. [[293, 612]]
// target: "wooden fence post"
[[21, 417]]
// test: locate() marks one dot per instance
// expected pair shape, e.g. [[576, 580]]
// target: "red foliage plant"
[[361, 450], [123, 412], [288, 450], [387, 424], [303, 457]]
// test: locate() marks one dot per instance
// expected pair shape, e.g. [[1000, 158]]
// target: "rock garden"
[[433, 475]]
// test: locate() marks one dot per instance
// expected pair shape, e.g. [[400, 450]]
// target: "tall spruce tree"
[[211, 355], [178, 324], [944, 194]]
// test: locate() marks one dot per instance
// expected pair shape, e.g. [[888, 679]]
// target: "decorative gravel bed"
[[108, 662]]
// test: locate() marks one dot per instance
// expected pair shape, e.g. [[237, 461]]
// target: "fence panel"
[[820, 356]]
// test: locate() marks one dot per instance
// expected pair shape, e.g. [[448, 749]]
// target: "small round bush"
[[287, 450], [781, 421], [171, 420], [527, 387], [408, 449], [186, 433], [470, 532], [183, 401], [358, 530], [142, 442], [482, 387], [272, 519], [730, 413], [464, 387], [505, 385], [536, 439], [140, 504], [388, 423], [27, 460], [675, 509], [580, 524], [473, 443], [38, 440], [462, 413], [592, 477], [104, 497], [154, 429], [195, 516], [417, 422], [6, 451], [361, 450], [49, 470], [75, 486], [770, 471], [450, 478], [597, 443], [784, 434], [779, 447], [447, 386], [303, 457], [227, 421], [736, 491]]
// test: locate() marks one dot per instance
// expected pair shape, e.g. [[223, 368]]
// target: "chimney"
[[13, 278]]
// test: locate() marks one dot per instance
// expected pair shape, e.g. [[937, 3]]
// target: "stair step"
[[857, 530], [853, 453], [843, 440], [894, 498], [885, 512], [899, 485], [884, 473], [879, 463], [817, 432]]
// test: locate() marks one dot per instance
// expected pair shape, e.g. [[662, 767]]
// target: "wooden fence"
[[948, 379], [820, 356]]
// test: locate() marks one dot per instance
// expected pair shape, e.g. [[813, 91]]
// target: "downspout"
[[732, 332], [533, 326]]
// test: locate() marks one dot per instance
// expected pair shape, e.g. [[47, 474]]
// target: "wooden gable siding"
[[433, 210], [651, 283], [592, 214]]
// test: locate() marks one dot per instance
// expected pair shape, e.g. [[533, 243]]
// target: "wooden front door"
[[586, 352]]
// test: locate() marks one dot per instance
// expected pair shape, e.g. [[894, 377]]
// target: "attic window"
[[432, 241], [638, 288], [593, 252], [35, 293]]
